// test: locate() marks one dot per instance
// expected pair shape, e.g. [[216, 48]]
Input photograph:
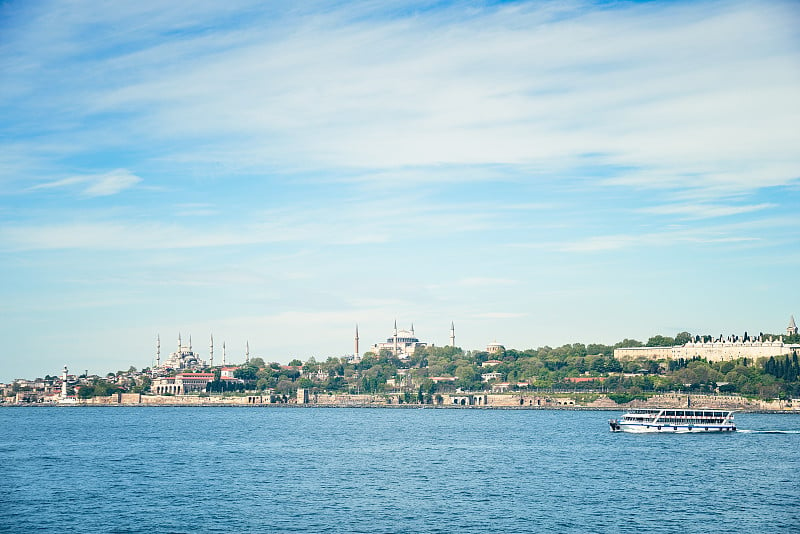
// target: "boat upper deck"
[[681, 413], [677, 416]]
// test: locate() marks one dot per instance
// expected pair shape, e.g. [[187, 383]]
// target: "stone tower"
[[792, 328]]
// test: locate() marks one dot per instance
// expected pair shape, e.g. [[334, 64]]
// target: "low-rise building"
[[181, 384], [227, 372]]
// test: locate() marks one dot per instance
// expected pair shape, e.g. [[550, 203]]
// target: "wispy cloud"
[[195, 209], [705, 211], [95, 185], [658, 239], [341, 89], [348, 224]]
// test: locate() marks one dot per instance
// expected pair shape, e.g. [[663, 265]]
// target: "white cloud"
[[95, 185], [111, 183], [704, 211], [351, 223], [607, 243], [692, 95]]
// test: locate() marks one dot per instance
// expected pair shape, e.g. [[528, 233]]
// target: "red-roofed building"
[[227, 372], [437, 379], [580, 379]]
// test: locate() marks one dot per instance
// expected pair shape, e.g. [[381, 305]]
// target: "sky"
[[276, 173]]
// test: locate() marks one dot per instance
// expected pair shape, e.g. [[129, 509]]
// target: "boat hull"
[[671, 429]]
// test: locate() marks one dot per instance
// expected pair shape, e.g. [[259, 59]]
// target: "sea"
[[381, 470]]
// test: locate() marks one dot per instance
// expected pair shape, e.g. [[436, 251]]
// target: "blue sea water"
[[168, 469]]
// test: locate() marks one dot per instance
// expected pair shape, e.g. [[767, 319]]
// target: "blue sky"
[[538, 173]]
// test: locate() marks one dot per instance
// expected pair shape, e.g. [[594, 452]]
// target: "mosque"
[[183, 358], [403, 343]]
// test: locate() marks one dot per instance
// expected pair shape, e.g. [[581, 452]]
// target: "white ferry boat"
[[674, 421]]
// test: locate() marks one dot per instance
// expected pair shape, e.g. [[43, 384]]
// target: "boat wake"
[[768, 431]]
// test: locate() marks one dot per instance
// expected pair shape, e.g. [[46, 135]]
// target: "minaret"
[[223, 353], [356, 353], [452, 334], [247, 353], [412, 329], [190, 343], [395, 337], [64, 383], [792, 328], [158, 350], [211, 351], [179, 343]]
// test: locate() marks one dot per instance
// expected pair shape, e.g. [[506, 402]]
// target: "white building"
[[715, 350], [181, 384], [402, 343]]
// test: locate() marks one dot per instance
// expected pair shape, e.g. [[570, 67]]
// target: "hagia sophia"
[[402, 343]]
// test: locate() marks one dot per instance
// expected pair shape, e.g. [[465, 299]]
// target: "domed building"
[[495, 348], [183, 358], [402, 343]]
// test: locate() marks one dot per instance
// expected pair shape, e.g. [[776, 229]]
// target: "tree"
[[246, 373], [682, 338], [660, 341], [295, 363], [627, 343], [257, 362], [285, 387], [143, 385], [305, 383]]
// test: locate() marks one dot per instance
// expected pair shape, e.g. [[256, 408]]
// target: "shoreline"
[[370, 406]]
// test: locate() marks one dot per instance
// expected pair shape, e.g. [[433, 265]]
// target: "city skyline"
[[536, 173]]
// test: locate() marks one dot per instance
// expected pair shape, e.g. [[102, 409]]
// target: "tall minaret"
[[190, 343], [223, 353], [412, 329], [158, 350], [452, 334], [64, 383], [356, 353], [179, 343], [395, 337], [247, 353], [211, 351]]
